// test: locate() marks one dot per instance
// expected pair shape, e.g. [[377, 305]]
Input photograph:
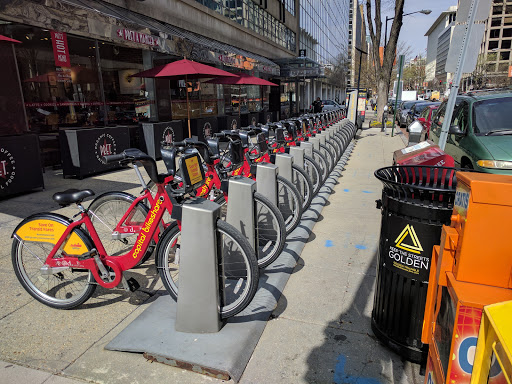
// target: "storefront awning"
[[169, 39]]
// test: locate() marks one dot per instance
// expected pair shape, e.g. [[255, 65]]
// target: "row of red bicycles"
[[60, 261]]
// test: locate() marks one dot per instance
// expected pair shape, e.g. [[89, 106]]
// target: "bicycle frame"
[[147, 232]]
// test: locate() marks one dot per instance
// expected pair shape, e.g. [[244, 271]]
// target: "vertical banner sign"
[[60, 49], [352, 104]]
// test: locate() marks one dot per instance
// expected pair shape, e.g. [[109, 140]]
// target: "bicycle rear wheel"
[[289, 202], [66, 288], [237, 269], [106, 211]]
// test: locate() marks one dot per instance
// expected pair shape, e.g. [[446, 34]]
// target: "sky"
[[415, 26]]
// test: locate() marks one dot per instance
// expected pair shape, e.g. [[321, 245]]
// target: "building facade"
[[74, 64], [323, 37], [438, 43], [495, 59], [356, 38]]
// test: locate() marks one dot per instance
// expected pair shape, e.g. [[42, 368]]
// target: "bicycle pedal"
[[133, 285]]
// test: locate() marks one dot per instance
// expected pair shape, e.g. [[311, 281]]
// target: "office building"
[[439, 37]]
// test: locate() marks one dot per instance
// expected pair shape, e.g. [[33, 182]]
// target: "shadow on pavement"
[[351, 353]]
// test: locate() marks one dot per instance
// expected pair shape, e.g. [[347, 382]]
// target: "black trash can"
[[416, 202]]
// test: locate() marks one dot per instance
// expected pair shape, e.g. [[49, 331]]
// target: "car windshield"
[[492, 115], [327, 102], [408, 104]]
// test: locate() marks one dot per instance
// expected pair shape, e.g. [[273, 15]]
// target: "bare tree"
[[337, 75], [384, 69]]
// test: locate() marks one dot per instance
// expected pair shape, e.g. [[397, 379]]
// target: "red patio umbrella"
[[8, 39], [187, 69], [242, 79]]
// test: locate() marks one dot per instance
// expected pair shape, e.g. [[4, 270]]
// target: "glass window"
[[494, 114], [55, 96], [127, 97]]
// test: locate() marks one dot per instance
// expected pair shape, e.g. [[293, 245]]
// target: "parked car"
[[330, 104], [403, 110], [416, 110], [426, 117], [480, 133], [391, 104]]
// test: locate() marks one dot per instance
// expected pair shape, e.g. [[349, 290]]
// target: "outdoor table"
[[20, 164], [82, 149], [152, 134]]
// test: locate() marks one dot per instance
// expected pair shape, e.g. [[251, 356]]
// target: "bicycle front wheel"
[[66, 287], [322, 162], [289, 202], [314, 172], [270, 228], [237, 269], [303, 184]]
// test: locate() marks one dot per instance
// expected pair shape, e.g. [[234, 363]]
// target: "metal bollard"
[[266, 184], [308, 148], [241, 207], [298, 156], [316, 142], [284, 161], [198, 301]]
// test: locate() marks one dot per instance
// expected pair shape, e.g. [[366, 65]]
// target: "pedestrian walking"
[[317, 105]]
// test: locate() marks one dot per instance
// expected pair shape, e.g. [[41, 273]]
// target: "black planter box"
[[204, 127], [249, 119], [152, 134], [268, 117], [82, 149], [228, 122], [20, 164]]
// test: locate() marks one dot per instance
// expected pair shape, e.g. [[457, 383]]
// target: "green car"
[[480, 135]]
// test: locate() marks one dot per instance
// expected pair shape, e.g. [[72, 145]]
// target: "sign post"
[[463, 52]]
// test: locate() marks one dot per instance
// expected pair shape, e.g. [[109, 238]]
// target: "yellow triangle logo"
[[409, 231]]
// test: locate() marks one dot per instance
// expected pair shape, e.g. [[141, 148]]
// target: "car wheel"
[[467, 164]]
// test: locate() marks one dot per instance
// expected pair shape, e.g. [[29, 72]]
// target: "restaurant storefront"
[[75, 63]]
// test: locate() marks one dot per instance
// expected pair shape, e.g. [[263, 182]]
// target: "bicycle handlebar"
[[118, 157]]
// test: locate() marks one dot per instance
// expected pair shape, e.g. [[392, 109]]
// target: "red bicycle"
[[60, 261]]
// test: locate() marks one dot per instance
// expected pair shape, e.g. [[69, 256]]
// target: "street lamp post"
[[424, 11]]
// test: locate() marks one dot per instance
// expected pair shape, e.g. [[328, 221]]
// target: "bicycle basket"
[[192, 172], [279, 133], [261, 140], [236, 153]]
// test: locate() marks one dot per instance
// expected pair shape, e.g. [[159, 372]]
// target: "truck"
[[435, 96], [409, 95]]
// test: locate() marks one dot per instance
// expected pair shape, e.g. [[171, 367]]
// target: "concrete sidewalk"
[[319, 333]]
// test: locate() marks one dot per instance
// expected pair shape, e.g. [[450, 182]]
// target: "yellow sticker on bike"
[[194, 172], [50, 231]]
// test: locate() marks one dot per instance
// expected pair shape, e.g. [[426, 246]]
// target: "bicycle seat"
[[71, 196]]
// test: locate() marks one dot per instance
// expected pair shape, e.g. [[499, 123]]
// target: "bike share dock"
[[314, 329]]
